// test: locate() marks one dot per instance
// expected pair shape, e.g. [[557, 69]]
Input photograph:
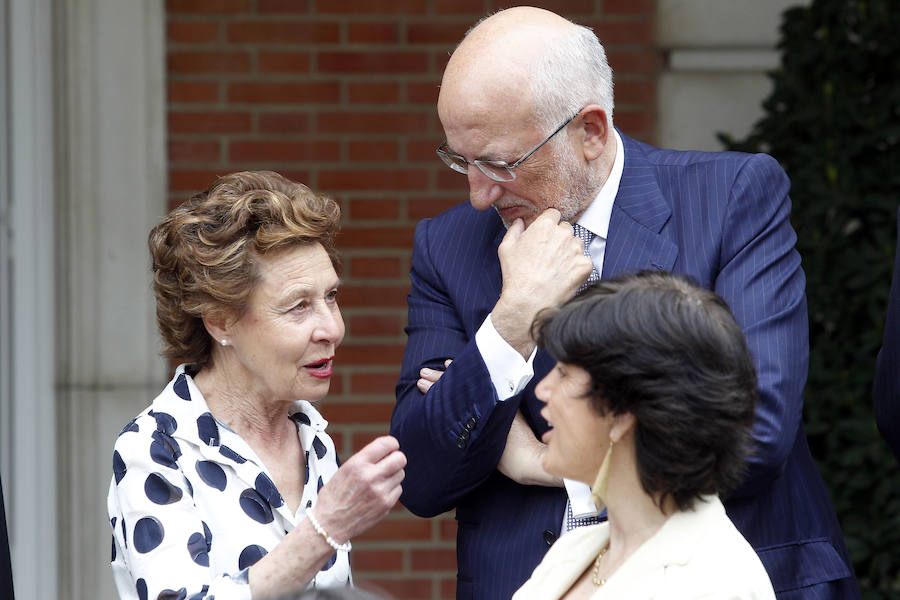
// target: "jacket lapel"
[[638, 216], [492, 277]]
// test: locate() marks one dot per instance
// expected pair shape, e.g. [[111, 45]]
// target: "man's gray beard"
[[584, 185]]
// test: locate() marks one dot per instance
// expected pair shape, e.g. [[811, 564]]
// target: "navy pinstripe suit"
[[721, 218], [887, 371]]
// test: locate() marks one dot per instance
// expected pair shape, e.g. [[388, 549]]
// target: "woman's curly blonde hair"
[[205, 252]]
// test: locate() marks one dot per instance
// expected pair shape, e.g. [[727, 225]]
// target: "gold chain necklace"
[[598, 581]]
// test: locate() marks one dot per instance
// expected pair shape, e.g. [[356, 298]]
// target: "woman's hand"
[[363, 490], [428, 377], [359, 495], [521, 459]]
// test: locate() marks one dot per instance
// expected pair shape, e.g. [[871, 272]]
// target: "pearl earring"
[[223, 341]]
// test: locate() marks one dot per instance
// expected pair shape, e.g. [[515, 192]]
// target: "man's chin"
[[511, 214]]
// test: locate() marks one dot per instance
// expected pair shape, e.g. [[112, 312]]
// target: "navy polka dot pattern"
[[148, 534], [207, 429], [201, 504], [319, 447], [172, 594], [330, 562], [118, 466], [256, 507], [197, 549], [306, 469], [231, 454], [202, 594], [132, 426], [212, 474], [165, 423], [180, 387], [267, 490], [164, 450], [250, 555], [160, 491]]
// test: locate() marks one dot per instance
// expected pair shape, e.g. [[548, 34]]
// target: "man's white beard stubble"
[[577, 186]]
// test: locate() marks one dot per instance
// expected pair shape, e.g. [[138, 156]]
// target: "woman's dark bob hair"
[[671, 354]]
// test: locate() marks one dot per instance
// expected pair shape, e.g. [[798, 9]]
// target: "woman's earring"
[[598, 490], [223, 341]]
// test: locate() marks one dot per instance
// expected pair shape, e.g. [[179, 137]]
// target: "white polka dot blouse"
[[192, 507]]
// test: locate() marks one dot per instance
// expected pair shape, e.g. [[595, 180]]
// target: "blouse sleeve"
[[160, 542]]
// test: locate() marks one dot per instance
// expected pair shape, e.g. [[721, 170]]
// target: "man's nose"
[[483, 191]]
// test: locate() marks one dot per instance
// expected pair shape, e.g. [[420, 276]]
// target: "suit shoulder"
[[699, 158]]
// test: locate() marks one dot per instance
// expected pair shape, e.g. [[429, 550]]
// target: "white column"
[[111, 191], [29, 480], [715, 81]]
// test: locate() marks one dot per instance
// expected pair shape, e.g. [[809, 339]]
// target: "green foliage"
[[833, 121]]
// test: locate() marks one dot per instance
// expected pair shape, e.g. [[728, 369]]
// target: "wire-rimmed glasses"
[[498, 170]]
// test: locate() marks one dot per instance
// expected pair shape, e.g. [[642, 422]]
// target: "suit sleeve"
[[454, 435], [761, 279], [887, 391]]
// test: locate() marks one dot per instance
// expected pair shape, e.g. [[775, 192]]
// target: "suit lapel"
[[638, 216], [491, 277]]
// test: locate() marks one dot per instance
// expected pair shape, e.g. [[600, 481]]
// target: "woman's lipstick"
[[320, 368]]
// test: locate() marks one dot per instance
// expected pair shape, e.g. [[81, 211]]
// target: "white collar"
[[596, 216]]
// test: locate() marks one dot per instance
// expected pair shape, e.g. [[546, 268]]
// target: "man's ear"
[[596, 131]]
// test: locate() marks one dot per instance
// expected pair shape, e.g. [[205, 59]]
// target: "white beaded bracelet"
[[321, 531]]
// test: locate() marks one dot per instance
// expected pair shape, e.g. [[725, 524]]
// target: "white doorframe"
[[111, 177], [30, 406]]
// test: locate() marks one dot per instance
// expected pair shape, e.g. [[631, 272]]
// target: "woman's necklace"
[[598, 581]]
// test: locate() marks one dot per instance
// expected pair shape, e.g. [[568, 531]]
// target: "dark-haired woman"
[[228, 485], [651, 402]]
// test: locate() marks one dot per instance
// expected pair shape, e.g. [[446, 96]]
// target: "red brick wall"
[[340, 94]]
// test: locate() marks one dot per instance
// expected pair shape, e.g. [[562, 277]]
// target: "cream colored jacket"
[[695, 554]]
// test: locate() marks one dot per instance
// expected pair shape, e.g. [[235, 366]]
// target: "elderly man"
[[526, 104]]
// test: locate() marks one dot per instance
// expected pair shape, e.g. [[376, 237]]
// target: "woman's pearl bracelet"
[[321, 531]]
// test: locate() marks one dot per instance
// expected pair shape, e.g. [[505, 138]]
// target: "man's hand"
[[542, 267]]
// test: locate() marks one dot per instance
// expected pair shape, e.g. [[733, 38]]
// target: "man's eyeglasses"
[[498, 170]]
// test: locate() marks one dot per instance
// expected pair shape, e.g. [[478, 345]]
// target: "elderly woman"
[[651, 401], [228, 485]]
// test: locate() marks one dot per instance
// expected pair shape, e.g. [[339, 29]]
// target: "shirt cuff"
[[509, 372]]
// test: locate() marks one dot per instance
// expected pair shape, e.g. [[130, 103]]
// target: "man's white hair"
[[572, 74]]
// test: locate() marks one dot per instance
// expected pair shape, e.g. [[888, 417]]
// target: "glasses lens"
[[496, 171], [457, 163]]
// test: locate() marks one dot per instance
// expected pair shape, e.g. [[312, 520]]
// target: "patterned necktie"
[[586, 236], [572, 521]]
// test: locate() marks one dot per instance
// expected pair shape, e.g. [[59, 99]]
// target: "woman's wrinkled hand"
[[428, 377], [363, 490], [522, 456]]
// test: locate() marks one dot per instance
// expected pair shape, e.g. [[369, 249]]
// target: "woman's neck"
[[244, 409], [634, 515]]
